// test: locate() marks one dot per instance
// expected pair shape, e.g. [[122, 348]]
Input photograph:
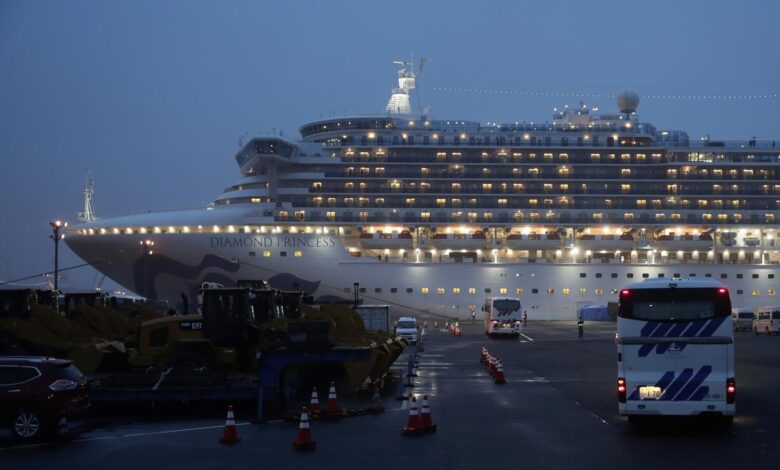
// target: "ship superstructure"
[[435, 215]]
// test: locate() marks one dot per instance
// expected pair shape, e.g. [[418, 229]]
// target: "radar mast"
[[89, 211]]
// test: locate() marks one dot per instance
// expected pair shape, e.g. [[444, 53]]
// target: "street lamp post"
[[56, 225], [146, 250]]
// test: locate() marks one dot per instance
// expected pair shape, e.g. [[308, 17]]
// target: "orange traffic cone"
[[304, 441], [488, 358], [426, 424], [230, 436], [413, 423], [314, 404], [499, 377], [332, 409]]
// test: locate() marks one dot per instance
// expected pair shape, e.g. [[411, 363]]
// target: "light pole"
[[146, 250], [56, 225]]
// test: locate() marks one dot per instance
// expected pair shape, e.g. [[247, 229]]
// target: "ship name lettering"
[[270, 242]]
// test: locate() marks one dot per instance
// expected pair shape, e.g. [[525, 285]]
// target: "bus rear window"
[[745, 315], [673, 304]]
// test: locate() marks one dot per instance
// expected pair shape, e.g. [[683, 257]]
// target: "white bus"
[[502, 316], [675, 345]]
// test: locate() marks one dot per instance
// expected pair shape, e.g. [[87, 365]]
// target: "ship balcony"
[[550, 241], [623, 242], [395, 240], [459, 241], [684, 242]]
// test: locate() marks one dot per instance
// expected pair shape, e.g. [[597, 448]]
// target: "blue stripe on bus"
[[711, 327], [665, 380], [659, 332], [673, 333], [649, 327], [662, 382], [672, 390], [693, 328], [693, 384], [700, 393]]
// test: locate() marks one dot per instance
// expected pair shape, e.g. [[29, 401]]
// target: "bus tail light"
[[621, 388], [731, 390]]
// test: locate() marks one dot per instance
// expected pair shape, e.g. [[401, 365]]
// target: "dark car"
[[36, 392]]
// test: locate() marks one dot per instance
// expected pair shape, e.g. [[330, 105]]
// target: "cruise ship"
[[433, 216]]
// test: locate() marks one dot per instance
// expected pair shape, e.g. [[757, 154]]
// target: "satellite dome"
[[627, 101]]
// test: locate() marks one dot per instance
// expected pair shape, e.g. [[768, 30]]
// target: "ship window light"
[[371, 135], [266, 254], [185, 229], [142, 230], [298, 254], [503, 290], [102, 231], [216, 229], [157, 230], [200, 227], [440, 290], [171, 229], [424, 290], [129, 231], [550, 290]]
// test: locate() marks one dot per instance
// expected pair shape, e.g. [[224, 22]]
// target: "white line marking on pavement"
[[526, 337], [122, 436]]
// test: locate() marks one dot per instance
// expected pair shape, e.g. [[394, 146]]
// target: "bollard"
[[409, 383], [402, 395], [580, 327]]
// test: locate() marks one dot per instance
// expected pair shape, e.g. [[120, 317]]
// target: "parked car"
[[36, 392], [767, 320], [742, 318]]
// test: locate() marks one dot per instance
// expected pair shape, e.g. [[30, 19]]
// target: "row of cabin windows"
[[520, 291], [647, 275], [298, 254], [480, 140]]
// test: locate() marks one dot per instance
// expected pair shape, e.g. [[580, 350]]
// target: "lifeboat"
[[684, 242], [606, 242], [459, 241], [533, 241], [395, 240]]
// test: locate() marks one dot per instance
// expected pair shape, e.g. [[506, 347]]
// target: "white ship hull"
[[321, 265]]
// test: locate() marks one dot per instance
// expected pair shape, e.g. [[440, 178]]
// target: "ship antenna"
[[89, 210], [417, 90]]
